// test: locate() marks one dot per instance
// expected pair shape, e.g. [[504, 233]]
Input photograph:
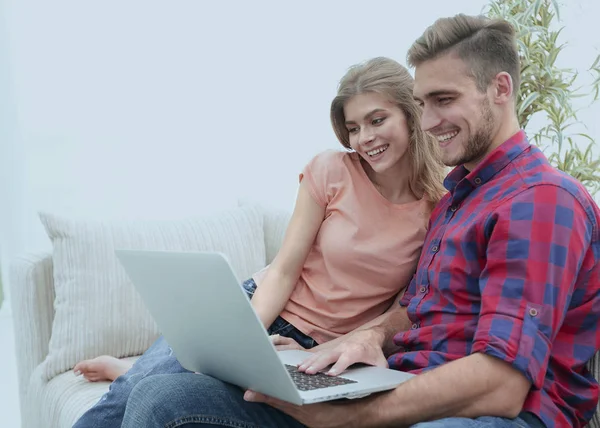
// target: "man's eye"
[[444, 100]]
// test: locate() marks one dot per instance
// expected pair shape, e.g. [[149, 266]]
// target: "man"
[[503, 312]]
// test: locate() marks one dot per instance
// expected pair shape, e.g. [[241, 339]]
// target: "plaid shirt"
[[510, 268]]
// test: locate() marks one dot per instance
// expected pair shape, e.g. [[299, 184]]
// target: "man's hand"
[[359, 347], [322, 415]]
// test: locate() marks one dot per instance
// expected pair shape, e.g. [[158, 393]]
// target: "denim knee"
[[160, 399]]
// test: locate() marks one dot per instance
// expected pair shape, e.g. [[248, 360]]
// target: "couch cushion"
[[60, 402], [97, 309]]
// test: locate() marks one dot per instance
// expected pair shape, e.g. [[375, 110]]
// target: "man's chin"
[[451, 161]]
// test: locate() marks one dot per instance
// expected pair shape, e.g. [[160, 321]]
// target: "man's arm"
[[472, 386], [528, 241], [469, 387]]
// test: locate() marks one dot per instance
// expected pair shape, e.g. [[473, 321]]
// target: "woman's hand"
[[283, 343], [358, 347]]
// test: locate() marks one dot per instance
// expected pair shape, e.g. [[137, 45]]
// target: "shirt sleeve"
[[536, 244], [323, 176]]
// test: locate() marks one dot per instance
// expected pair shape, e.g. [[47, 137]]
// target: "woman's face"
[[377, 130]]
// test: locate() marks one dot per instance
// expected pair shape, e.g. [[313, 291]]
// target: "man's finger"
[[257, 397]]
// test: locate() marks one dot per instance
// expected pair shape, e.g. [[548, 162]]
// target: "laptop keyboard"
[[309, 382]]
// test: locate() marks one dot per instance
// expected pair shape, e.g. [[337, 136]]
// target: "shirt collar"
[[490, 165]]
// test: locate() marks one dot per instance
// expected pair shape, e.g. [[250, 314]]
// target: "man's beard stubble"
[[479, 143]]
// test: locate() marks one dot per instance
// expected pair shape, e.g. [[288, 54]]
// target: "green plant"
[[548, 90]]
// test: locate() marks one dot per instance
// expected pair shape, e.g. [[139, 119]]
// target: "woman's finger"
[[283, 343], [288, 347], [278, 340]]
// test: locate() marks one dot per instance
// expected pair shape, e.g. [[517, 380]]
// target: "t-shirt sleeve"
[[323, 176]]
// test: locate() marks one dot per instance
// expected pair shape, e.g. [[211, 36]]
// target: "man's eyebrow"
[[371, 113], [437, 93]]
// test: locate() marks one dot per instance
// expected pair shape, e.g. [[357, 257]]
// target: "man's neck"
[[508, 128]]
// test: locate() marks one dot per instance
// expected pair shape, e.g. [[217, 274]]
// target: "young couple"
[[503, 311]]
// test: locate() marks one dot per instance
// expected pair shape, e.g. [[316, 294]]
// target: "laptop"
[[206, 317]]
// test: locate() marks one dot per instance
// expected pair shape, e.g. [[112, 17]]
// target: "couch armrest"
[[32, 302]]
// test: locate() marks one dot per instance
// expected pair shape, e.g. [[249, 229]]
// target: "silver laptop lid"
[[205, 316]]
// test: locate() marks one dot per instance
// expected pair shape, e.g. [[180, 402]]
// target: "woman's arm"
[[275, 289], [392, 321]]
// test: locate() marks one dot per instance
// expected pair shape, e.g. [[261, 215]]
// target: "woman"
[[353, 240]]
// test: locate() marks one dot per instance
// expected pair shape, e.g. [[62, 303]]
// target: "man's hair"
[[487, 46]]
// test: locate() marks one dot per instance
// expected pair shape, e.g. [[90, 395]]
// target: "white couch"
[[57, 400], [50, 394]]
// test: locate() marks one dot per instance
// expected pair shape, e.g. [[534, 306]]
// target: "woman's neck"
[[394, 184]]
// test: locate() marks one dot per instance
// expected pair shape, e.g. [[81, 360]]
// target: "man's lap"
[[197, 400], [187, 399]]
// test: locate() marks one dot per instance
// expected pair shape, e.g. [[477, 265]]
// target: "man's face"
[[454, 110]]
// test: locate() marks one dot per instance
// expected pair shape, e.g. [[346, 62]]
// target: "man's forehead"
[[435, 77]]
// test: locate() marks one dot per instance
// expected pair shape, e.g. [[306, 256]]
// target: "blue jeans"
[[159, 360], [191, 400]]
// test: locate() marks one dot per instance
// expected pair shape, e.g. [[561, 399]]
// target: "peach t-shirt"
[[365, 252]]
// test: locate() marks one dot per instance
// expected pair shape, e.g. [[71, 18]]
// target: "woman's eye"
[[352, 130], [378, 121]]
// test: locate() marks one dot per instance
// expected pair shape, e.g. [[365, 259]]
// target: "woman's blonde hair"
[[390, 79]]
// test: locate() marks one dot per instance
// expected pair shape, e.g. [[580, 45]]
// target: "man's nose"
[[429, 119]]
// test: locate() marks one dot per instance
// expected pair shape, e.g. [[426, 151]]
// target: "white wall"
[[11, 160], [164, 109]]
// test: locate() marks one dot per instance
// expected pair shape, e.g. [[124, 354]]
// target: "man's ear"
[[502, 87]]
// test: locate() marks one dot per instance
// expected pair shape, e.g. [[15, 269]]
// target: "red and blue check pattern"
[[510, 268]]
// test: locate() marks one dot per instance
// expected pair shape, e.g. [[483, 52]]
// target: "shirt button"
[[434, 249], [533, 312], [423, 289], [453, 208], [477, 180], [415, 326]]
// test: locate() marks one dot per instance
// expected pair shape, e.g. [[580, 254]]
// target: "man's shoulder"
[[536, 171]]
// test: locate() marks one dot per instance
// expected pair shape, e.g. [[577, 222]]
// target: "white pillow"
[[97, 309]]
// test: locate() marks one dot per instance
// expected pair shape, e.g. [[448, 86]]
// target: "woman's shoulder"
[[332, 155], [334, 160]]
